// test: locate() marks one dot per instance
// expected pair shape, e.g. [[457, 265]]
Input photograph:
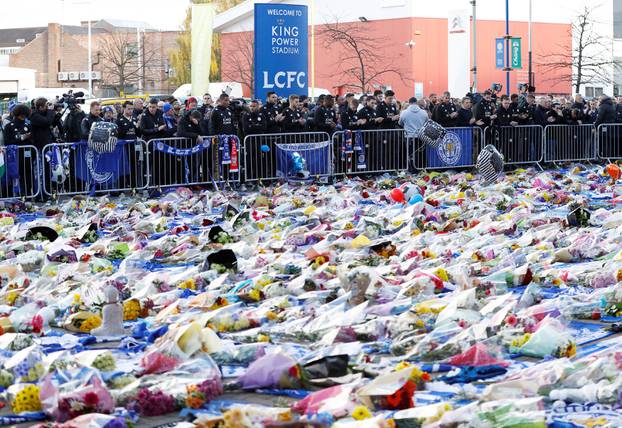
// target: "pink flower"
[[91, 399], [511, 320]]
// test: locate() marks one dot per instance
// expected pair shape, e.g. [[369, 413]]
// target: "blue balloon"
[[265, 148], [415, 199]]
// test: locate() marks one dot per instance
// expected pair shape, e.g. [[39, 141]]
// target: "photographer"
[[43, 120], [72, 125]]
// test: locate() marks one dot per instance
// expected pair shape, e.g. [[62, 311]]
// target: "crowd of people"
[[44, 121]]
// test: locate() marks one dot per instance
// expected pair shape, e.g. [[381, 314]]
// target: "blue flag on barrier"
[[101, 168], [316, 156], [455, 149]]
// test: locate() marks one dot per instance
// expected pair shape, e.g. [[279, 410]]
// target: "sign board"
[[515, 49], [516, 61], [499, 53], [281, 46], [418, 90]]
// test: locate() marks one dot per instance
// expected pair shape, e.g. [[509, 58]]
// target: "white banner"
[[202, 26], [459, 52]]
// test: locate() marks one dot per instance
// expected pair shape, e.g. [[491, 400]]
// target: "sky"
[[161, 14]]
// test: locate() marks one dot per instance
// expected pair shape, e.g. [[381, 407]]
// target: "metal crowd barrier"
[[459, 148], [521, 144], [609, 141], [179, 161], [75, 169], [370, 151], [19, 172], [273, 156], [569, 143]]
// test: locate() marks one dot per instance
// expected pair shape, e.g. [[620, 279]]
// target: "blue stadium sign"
[[281, 46]]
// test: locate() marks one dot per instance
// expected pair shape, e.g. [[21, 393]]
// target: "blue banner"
[[455, 149], [499, 53], [281, 45], [311, 159], [102, 168]]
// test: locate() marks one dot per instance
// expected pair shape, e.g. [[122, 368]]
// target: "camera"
[[71, 100], [497, 87]]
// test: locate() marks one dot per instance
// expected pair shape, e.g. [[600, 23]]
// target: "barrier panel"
[[569, 143], [520, 144], [370, 151], [609, 141], [179, 161], [76, 169], [275, 156], [459, 148], [19, 172]]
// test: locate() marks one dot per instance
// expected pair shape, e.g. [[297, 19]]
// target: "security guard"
[[387, 110], [221, 122], [253, 121], [126, 123], [293, 119], [446, 113]]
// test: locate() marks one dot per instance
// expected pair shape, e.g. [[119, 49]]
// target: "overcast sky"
[[162, 14]]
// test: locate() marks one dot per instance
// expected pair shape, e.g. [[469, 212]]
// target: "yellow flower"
[[188, 284], [11, 297], [131, 309], [90, 323], [77, 299], [271, 315], [348, 226], [255, 294], [361, 412], [263, 338], [27, 400], [442, 274]]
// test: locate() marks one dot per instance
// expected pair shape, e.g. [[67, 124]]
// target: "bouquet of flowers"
[[92, 397], [24, 398], [82, 322]]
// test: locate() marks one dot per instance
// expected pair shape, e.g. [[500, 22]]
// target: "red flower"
[[91, 399], [85, 258], [426, 377], [37, 324]]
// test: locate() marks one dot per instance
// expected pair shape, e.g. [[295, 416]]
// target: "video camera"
[[71, 100], [497, 87]]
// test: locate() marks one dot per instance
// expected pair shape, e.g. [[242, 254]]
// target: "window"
[[617, 19], [598, 92], [591, 92]]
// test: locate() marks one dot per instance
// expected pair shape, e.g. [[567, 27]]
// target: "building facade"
[[413, 37], [123, 58]]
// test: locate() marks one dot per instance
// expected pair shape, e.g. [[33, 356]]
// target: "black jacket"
[[269, 112], [349, 119], [464, 117], [442, 115], [483, 110], [606, 112], [14, 130], [85, 126], [291, 121], [387, 111], [254, 123], [186, 128], [323, 118], [149, 124], [221, 122], [42, 123], [504, 116], [371, 115], [126, 128], [72, 126]]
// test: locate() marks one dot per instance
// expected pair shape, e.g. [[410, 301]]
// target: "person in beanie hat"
[[191, 103]]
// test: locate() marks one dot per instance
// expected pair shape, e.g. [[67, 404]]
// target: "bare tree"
[[362, 62], [121, 62], [238, 66], [584, 59]]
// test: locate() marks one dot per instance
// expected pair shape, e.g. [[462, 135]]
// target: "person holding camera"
[[43, 120], [72, 125]]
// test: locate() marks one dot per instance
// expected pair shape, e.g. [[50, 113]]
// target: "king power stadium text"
[[284, 40]]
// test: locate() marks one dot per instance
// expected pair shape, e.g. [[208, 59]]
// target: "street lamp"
[[411, 44]]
